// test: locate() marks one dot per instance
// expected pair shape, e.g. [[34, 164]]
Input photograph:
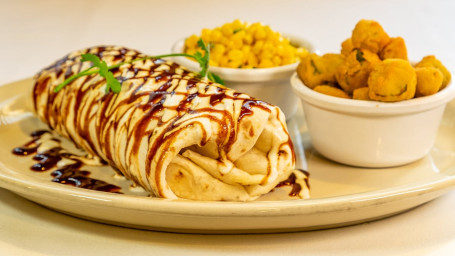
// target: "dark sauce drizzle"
[[295, 186], [70, 174]]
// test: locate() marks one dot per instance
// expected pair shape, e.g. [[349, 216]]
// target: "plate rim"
[[22, 183]]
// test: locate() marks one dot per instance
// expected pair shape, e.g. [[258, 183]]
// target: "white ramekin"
[[371, 133]]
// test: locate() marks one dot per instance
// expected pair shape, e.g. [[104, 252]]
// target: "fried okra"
[[392, 80], [431, 61], [347, 47], [361, 93], [354, 72], [332, 91], [316, 70], [370, 35], [429, 81], [373, 66], [396, 48]]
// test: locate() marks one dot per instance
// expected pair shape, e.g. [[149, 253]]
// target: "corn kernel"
[[246, 49], [287, 61], [269, 48], [237, 24], [273, 37], [276, 60], [205, 35], [224, 41], [288, 51], [227, 30], [213, 63], [248, 39], [224, 62], [280, 50], [231, 45], [301, 53], [216, 36], [191, 51], [191, 42], [260, 34], [265, 55], [240, 34], [234, 64], [257, 48], [237, 41], [252, 60], [252, 29], [218, 49], [236, 55], [216, 56], [266, 63]]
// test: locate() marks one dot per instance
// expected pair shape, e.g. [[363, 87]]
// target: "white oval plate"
[[341, 195]]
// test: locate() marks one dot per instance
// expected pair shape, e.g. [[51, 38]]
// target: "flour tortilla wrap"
[[170, 132]]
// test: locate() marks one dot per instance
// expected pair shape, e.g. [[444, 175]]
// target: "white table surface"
[[35, 33]]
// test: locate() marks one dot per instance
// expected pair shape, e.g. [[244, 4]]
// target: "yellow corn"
[[236, 55], [242, 45]]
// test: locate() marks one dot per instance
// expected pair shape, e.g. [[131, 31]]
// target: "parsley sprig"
[[112, 84]]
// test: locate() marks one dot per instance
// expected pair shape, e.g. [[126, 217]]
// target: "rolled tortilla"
[[172, 133]]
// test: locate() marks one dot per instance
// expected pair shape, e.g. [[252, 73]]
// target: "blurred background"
[[35, 33]]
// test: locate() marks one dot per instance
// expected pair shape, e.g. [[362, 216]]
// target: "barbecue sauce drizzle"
[[166, 77], [69, 174], [292, 182]]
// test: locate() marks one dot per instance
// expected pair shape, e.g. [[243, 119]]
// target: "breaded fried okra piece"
[[354, 72], [396, 48], [316, 70], [431, 61], [429, 81], [361, 93], [392, 80], [347, 47], [332, 91], [370, 35]]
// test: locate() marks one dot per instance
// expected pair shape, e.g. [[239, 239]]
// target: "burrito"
[[172, 133]]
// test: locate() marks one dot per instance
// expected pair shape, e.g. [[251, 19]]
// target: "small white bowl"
[[268, 84], [370, 133]]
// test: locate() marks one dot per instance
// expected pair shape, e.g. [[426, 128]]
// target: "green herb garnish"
[[203, 60], [112, 84], [359, 56], [237, 30]]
